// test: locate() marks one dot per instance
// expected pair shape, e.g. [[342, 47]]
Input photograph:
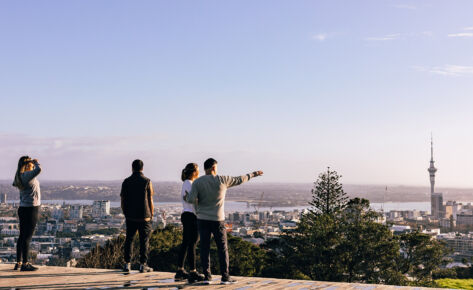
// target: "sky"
[[288, 87]]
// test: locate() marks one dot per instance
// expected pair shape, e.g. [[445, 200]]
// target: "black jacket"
[[135, 195]]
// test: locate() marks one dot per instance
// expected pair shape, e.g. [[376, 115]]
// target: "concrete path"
[[80, 278]]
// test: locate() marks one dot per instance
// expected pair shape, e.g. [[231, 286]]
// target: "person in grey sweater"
[[28, 212], [208, 194]]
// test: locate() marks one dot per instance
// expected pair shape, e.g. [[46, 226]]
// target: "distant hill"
[[274, 193]]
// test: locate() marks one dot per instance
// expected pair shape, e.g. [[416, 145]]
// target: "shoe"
[[17, 266], [194, 276], [181, 275], [227, 280], [127, 267], [28, 267], [207, 279], [144, 268]]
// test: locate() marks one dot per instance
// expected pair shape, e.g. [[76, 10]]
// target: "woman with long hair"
[[190, 235], [28, 212]]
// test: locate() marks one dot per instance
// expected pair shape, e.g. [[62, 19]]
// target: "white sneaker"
[[144, 268], [207, 280], [228, 281]]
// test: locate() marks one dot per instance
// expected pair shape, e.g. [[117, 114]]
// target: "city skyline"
[[290, 89]]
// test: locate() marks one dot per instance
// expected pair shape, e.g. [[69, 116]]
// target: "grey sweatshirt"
[[208, 194], [30, 195]]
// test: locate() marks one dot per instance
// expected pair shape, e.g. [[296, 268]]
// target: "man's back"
[[135, 196], [209, 193]]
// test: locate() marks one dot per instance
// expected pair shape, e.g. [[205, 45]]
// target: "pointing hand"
[[258, 173]]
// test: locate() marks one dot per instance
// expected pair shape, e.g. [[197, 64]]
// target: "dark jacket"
[[136, 195]]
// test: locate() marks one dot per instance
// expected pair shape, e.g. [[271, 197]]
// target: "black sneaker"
[[17, 266], [207, 279], [181, 275], [194, 276], [28, 267], [144, 268], [127, 267], [227, 280]]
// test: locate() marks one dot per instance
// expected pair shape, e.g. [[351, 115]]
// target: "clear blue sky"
[[289, 87]]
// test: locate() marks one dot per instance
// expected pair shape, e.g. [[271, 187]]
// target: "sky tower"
[[432, 168], [436, 199]]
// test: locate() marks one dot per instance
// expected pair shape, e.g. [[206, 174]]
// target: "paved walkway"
[[80, 278]]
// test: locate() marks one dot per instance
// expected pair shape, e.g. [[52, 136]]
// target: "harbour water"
[[234, 206]]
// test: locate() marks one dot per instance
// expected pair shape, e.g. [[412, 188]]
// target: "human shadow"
[[38, 274], [100, 285]]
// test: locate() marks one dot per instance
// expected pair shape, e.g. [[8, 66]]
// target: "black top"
[[135, 195]]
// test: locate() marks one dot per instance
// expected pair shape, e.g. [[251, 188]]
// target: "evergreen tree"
[[340, 240], [420, 256], [369, 250], [328, 196]]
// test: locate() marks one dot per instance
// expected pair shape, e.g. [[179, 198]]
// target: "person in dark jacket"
[[137, 205], [28, 212]]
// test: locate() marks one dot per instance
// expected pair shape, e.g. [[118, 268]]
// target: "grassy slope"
[[455, 283]]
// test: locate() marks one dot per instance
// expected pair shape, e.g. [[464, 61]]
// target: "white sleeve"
[[186, 186]]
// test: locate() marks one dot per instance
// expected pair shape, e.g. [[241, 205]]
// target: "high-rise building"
[[3, 198], [436, 204], [58, 213], [76, 212], [436, 199], [452, 208], [101, 208]]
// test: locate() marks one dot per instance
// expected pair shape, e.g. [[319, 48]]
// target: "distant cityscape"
[[69, 230]]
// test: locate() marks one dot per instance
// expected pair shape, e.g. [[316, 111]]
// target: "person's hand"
[[258, 173], [185, 195]]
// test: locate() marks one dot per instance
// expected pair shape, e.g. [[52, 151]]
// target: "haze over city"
[[289, 88]]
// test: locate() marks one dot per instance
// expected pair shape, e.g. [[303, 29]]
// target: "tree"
[[339, 240], [363, 241], [328, 196], [315, 242], [164, 248], [420, 256]]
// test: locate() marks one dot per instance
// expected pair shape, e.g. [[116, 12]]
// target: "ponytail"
[[188, 171]]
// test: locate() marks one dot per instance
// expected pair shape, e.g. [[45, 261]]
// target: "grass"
[[455, 283]]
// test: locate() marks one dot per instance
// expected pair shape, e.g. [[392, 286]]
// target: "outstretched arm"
[[230, 181]]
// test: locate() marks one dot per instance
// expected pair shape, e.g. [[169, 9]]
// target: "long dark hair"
[[189, 171], [22, 163]]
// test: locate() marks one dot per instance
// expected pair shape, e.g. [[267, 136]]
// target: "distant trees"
[[246, 259], [80, 233], [110, 256]]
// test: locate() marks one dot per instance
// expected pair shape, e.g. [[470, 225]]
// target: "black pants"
[[144, 230], [190, 236], [206, 229], [28, 219]]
